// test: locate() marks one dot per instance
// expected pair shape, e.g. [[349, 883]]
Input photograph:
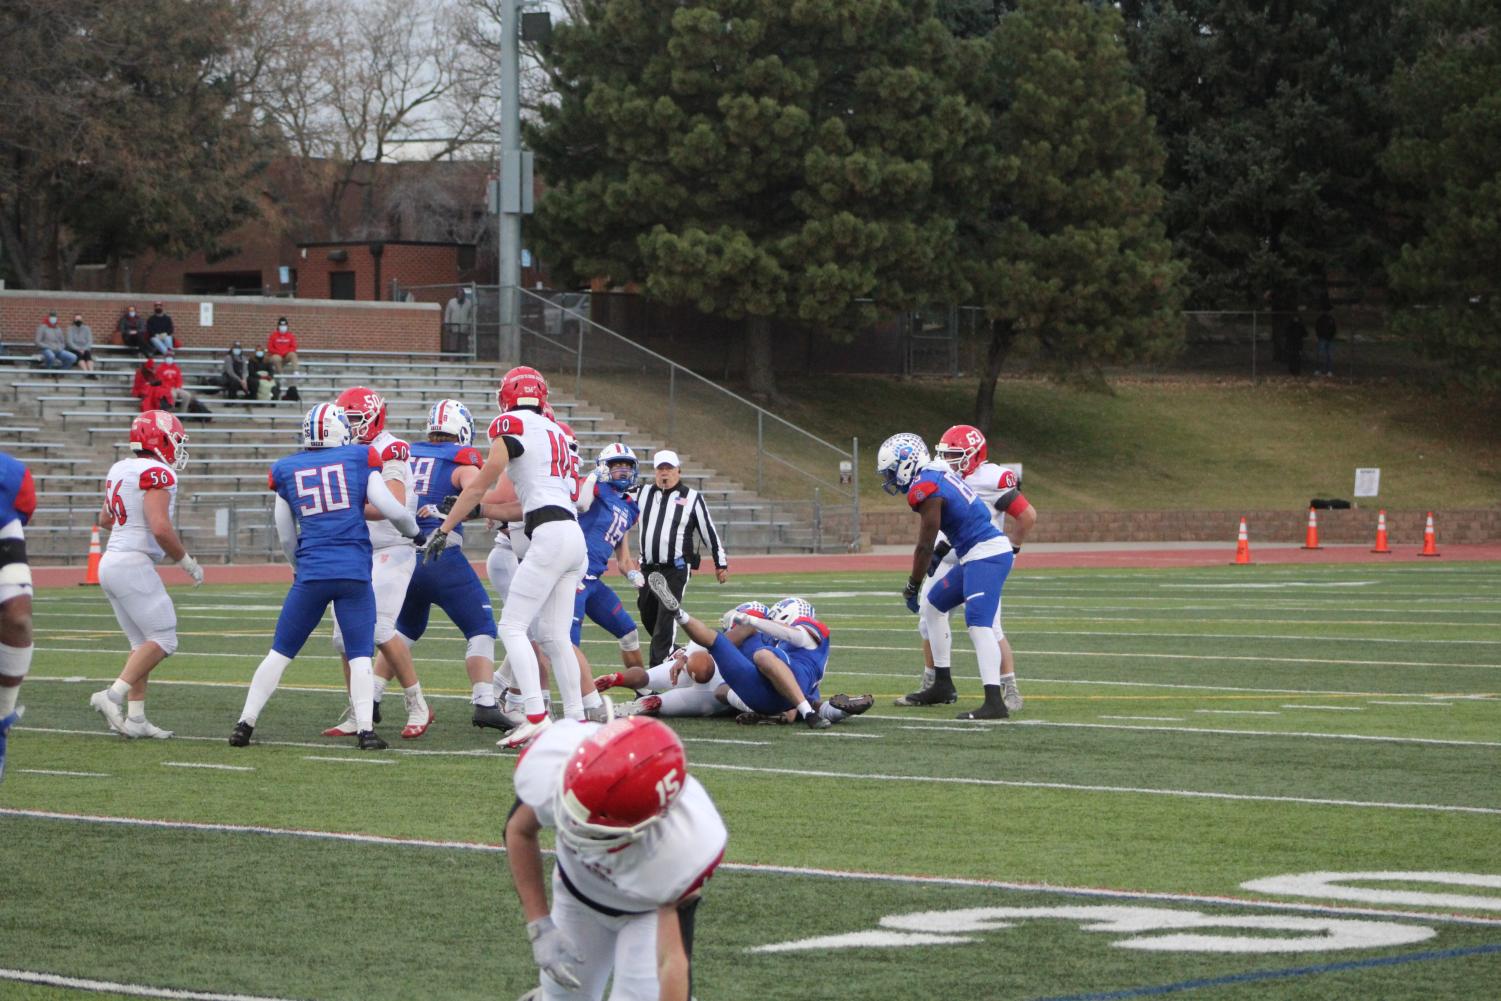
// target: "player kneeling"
[[140, 497], [637, 837]]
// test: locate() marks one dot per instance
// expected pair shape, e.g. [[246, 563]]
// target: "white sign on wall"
[[1367, 482], [205, 314]]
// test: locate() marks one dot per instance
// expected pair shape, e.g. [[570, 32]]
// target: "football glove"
[[420, 539], [637, 578], [729, 620], [191, 568], [910, 594], [437, 541], [448, 503], [553, 953], [939, 552]]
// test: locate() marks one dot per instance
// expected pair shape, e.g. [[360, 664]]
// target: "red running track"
[[1040, 557]]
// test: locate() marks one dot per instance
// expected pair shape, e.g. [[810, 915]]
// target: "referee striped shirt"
[[668, 521]]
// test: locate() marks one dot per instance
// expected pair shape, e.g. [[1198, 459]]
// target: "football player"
[[321, 494], [535, 453], [637, 838], [688, 683], [140, 499], [963, 448], [606, 523], [945, 502], [442, 467], [17, 504], [771, 665], [392, 564]]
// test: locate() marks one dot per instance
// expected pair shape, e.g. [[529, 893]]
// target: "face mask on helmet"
[[618, 783], [899, 460]]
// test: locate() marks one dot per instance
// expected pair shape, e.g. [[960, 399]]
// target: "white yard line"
[[1381, 702], [1332, 709], [204, 764], [350, 761], [1239, 712], [883, 877], [1435, 741], [71, 775], [1206, 636], [841, 733], [1153, 719], [132, 990], [1116, 655]]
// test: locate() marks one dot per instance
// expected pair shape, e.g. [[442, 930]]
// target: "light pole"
[[508, 238]]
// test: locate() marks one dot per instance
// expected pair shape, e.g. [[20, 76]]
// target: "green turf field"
[[1186, 732]]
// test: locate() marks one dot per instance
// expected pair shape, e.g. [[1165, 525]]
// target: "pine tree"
[[1070, 250]]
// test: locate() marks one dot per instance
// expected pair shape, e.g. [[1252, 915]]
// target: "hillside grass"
[[1185, 445]]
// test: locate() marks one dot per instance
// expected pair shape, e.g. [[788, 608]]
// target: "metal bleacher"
[[69, 427]]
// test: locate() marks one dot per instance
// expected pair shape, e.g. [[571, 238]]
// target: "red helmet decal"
[[963, 447], [366, 410], [161, 434]]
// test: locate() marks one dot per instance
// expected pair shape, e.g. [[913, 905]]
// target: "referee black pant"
[[655, 619]]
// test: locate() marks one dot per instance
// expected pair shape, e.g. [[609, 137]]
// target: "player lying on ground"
[[320, 520], [687, 683], [777, 668], [17, 504], [637, 838], [140, 498]]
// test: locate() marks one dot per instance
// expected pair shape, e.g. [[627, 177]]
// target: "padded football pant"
[[604, 608], [354, 608], [625, 946], [390, 572], [543, 590], [139, 599]]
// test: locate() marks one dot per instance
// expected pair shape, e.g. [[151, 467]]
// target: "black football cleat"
[[937, 695], [814, 721], [760, 719], [987, 710], [370, 741], [494, 717], [852, 705], [241, 735], [375, 711]]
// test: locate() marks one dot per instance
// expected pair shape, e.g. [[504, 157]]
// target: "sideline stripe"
[[1285, 974], [781, 870], [133, 990], [1077, 787]]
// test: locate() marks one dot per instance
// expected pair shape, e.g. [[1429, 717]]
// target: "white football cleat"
[[419, 718], [601, 713], [524, 734], [346, 727], [106, 707], [145, 728], [1011, 698]]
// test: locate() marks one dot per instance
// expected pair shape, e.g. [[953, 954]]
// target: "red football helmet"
[[366, 410], [619, 782], [161, 434], [963, 447], [547, 411], [522, 386]]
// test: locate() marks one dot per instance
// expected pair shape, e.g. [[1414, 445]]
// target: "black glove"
[[910, 594], [939, 552], [448, 503], [420, 539], [436, 541]]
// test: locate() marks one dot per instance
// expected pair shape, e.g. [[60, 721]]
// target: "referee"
[[670, 513]]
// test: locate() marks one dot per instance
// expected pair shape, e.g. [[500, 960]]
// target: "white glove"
[[554, 954], [191, 568], [731, 619], [429, 511], [637, 578]]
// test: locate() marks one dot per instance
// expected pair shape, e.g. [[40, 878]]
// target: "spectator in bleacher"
[[281, 347], [80, 340], [458, 320], [159, 331], [53, 344], [262, 377], [235, 376], [132, 331], [148, 388], [170, 373]]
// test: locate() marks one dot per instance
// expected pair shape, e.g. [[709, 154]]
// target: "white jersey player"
[[637, 837], [533, 451], [964, 448], [392, 562], [140, 499]]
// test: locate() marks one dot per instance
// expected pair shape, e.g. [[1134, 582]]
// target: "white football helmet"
[[325, 426], [789, 610], [900, 459], [622, 476], [451, 417]]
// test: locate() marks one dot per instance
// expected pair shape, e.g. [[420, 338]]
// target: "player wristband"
[[1015, 549]]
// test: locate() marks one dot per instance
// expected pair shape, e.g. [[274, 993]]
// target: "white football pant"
[[391, 570], [626, 946], [139, 598], [543, 591]]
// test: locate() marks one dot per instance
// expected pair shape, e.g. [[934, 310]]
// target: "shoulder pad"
[[507, 424], [157, 478], [372, 457], [271, 479], [469, 456], [1007, 478], [395, 450], [812, 625], [920, 491]]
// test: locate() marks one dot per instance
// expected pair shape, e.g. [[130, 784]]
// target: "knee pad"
[[384, 631], [167, 641], [630, 642], [482, 645]]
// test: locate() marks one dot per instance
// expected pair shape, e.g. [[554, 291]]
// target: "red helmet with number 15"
[[162, 435], [963, 447], [522, 386], [366, 410], [618, 783]]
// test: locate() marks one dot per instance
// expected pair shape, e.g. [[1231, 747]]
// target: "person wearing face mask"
[[281, 347], [132, 331], [52, 344], [159, 331], [262, 379], [235, 376], [80, 341]]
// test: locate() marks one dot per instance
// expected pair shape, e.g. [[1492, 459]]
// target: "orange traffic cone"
[[1242, 546], [1381, 544], [91, 574], [1311, 538], [1430, 543]]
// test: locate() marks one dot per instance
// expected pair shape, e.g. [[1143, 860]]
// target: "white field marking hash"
[[840, 733], [350, 761], [1332, 709], [955, 729], [1153, 719], [71, 775], [205, 764], [882, 877], [132, 990], [1380, 702], [1239, 712]]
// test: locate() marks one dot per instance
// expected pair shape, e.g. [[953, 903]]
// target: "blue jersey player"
[[320, 518], [945, 502], [442, 467], [606, 521], [17, 504]]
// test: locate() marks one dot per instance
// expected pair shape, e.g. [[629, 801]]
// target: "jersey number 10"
[[321, 489]]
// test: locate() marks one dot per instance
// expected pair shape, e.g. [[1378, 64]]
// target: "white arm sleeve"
[[586, 492], [797, 637], [286, 529], [390, 508]]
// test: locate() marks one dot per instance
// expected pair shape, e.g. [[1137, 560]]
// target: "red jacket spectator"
[[281, 347], [149, 387]]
